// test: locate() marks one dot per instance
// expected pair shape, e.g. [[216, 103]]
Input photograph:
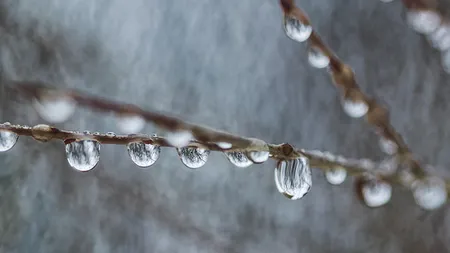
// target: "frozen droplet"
[[179, 139], [55, 110], [142, 154], [440, 39], [110, 134], [355, 109], [193, 157], [430, 193], [376, 192], [336, 176], [317, 58], [238, 159], [7, 139], [293, 177], [258, 156], [130, 124], [423, 21], [296, 30], [224, 145], [83, 155], [388, 146]]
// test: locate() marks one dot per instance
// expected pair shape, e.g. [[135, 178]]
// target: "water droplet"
[[423, 21], [430, 193], [87, 132], [293, 177], [376, 193], [440, 39], [130, 124], [317, 58], [110, 134], [143, 155], [224, 145], [179, 139], [258, 156], [7, 139], [238, 159], [83, 155], [387, 146], [355, 109], [336, 176], [55, 110], [193, 157], [388, 166], [296, 30], [386, 1]]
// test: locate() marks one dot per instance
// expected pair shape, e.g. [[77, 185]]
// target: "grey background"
[[227, 64]]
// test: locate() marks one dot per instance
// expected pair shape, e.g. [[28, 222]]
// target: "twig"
[[344, 79]]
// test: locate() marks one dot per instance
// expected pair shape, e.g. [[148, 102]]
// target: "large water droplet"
[[83, 155], [130, 124], [239, 159], [143, 155], [179, 139], [293, 177], [193, 157], [296, 30], [258, 156], [55, 110], [317, 58], [423, 21], [376, 193], [7, 139], [355, 109], [430, 193], [336, 176]]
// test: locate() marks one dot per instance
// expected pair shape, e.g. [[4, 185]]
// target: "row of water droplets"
[[436, 29], [429, 193], [301, 32]]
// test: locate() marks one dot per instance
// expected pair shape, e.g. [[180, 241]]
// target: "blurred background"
[[227, 64]]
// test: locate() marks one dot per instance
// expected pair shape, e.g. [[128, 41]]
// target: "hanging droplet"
[[7, 139], [423, 21], [238, 159], [83, 155], [142, 154], [440, 39], [224, 145], [430, 193], [317, 58], [110, 134], [55, 110], [355, 109], [179, 139], [336, 176], [296, 30], [387, 146], [376, 193], [293, 177], [258, 156], [193, 157], [130, 124]]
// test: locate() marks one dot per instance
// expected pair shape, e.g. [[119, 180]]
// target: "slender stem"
[[344, 79]]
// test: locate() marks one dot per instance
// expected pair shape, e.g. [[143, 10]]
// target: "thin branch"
[[344, 79]]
